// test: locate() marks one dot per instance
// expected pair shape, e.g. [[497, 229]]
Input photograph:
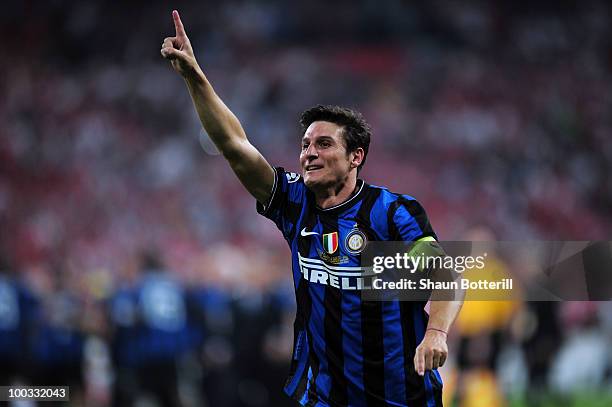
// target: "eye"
[[304, 146], [325, 144]]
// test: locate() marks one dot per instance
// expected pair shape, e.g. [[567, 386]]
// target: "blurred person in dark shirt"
[[17, 309], [58, 340], [149, 334], [213, 309]]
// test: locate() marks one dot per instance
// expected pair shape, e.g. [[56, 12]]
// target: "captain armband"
[[426, 254]]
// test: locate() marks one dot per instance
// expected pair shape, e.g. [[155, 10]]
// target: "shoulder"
[[287, 200], [290, 183], [400, 216], [288, 187], [389, 200], [379, 203]]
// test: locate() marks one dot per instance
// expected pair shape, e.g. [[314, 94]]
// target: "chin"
[[309, 182], [315, 183]]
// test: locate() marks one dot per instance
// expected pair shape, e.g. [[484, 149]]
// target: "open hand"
[[178, 49]]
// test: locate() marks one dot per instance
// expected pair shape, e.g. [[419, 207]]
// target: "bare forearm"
[[220, 123], [443, 313], [433, 350]]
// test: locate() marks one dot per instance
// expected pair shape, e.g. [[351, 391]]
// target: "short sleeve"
[[286, 201], [410, 221]]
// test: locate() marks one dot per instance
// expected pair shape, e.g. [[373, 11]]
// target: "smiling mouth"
[[310, 168]]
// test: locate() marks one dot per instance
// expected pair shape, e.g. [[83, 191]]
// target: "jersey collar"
[[346, 204]]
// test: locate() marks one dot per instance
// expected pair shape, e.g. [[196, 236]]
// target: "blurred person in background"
[[347, 351], [149, 334], [278, 339], [580, 364], [541, 340], [18, 308], [483, 326], [58, 339], [218, 355], [211, 307], [261, 344]]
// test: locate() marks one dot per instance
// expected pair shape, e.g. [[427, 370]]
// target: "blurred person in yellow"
[[481, 325]]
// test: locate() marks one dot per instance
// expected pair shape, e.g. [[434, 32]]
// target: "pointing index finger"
[[178, 24]]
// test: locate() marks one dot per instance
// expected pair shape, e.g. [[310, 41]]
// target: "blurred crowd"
[[153, 338], [489, 114]]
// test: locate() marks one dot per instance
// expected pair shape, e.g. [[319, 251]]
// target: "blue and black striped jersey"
[[349, 351]]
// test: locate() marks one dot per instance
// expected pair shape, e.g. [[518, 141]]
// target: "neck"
[[339, 193]]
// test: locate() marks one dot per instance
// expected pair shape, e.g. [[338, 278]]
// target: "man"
[[347, 352], [150, 332], [18, 310]]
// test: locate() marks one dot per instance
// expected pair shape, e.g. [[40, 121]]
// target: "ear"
[[357, 157]]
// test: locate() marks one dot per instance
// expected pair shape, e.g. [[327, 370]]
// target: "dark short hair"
[[357, 131]]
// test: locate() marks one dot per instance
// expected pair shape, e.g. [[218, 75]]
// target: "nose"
[[311, 152]]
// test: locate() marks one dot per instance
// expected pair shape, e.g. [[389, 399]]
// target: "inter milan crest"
[[330, 242], [355, 241]]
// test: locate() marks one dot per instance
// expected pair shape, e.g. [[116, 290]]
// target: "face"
[[324, 159]]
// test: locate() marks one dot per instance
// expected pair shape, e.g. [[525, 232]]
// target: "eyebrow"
[[324, 137]]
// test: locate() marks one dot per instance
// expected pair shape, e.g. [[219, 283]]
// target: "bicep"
[[252, 169]]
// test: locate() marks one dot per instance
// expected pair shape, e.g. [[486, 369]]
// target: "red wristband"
[[436, 329]]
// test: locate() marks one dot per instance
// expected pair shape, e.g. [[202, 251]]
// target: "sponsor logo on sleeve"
[[292, 177]]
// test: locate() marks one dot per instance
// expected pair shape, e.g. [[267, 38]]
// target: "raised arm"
[[219, 122]]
